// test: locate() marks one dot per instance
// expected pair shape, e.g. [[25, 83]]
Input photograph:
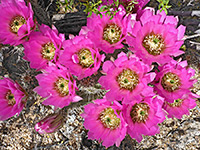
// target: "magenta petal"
[[145, 16], [184, 64], [75, 58], [181, 32], [107, 65], [22, 31], [77, 98], [171, 20]]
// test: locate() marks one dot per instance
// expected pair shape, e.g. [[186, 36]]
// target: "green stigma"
[[156, 40], [11, 99], [62, 87], [125, 80], [142, 113]]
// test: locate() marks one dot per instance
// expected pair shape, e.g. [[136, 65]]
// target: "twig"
[[196, 43], [179, 13], [49, 5], [191, 36]]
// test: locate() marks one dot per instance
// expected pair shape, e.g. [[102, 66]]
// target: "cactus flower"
[[43, 47], [16, 21], [57, 86], [81, 57], [11, 99], [50, 124], [126, 78], [180, 106], [105, 122], [155, 38], [143, 118], [174, 80]]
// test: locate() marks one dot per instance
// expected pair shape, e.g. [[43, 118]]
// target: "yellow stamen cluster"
[[128, 79], [48, 51], [154, 44], [176, 103], [139, 113], [109, 119], [62, 87], [170, 82], [112, 33], [16, 23], [85, 58], [11, 99]]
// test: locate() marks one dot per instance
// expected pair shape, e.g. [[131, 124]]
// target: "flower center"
[[176, 103], [48, 51], [112, 33], [170, 82], [85, 58], [154, 44], [11, 99], [109, 119], [62, 87], [128, 79], [16, 23], [139, 113]]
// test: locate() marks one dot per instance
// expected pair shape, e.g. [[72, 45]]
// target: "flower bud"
[[50, 124]]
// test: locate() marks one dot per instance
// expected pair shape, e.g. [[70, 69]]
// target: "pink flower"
[[81, 57], [107, 34], [174, 80], [105, 122], [126, 78], [43, 47], [57, 87], [11, 99], [155, 37], [143, 118], [50, 124], [180, 106], [16, 21]]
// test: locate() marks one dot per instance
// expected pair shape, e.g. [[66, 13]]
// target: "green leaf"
[[117, 3], [100, 15], [90, 14], [111, 18], [165, 10], [102, 8], [96, 9], [168, 6]]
